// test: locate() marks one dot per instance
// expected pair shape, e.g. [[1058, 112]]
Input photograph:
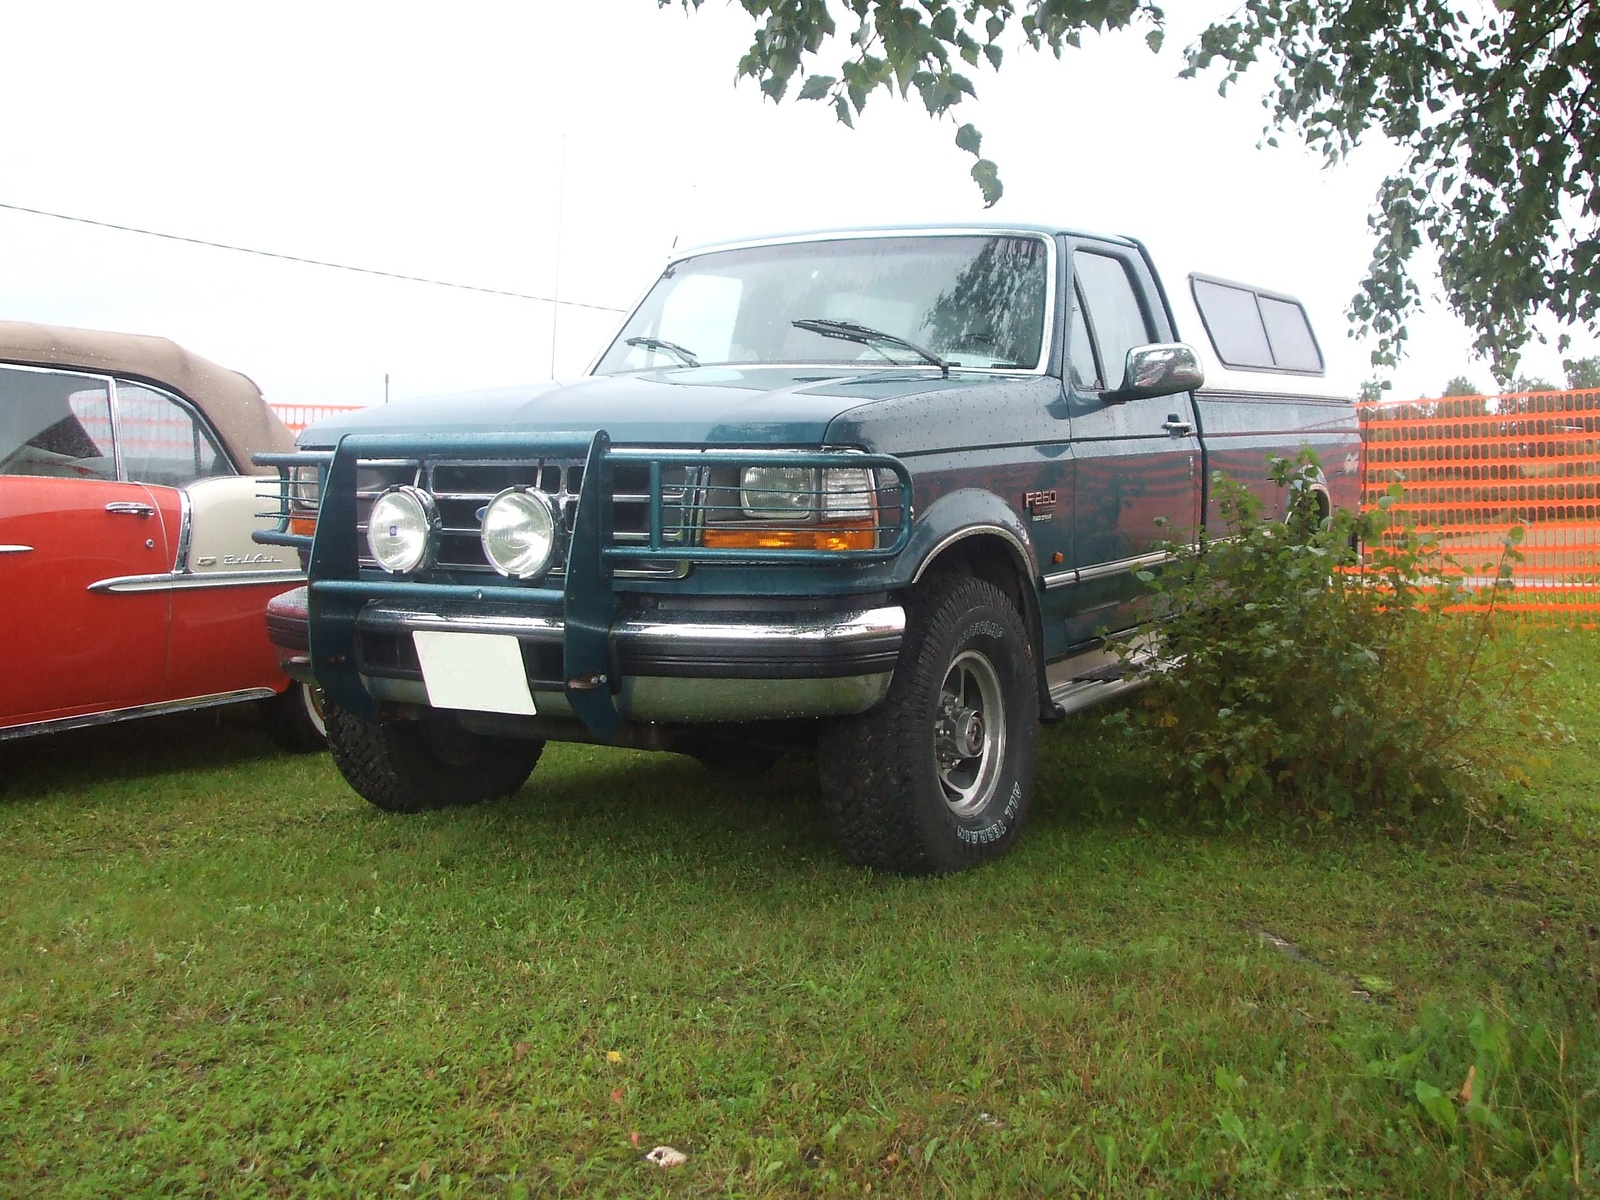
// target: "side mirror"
[[1158, 370]]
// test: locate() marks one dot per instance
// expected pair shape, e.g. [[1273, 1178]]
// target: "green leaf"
[[1437, 1105], [1233, 1127], [817, 87], [987, 176], [969, 139]]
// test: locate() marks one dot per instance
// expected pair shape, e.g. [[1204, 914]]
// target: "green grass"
[[222, 974]]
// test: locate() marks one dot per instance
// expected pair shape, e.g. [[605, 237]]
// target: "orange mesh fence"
[[1474, 467], [298, 416]]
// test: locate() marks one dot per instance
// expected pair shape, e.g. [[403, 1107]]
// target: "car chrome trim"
[[90, 720], [184, 581], [180, 560], [829, 627], [889, 619], [1047, 343], [951, 539], [1060, 579], [131, 508], [15, 549], [1124, 566], [399, 618]]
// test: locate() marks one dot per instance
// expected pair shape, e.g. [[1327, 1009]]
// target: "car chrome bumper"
[[691, 667]]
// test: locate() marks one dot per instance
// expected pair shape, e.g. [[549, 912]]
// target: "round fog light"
[[519, 533], [400, 530]]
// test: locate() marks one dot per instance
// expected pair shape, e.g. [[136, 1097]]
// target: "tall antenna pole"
[[561, 205]]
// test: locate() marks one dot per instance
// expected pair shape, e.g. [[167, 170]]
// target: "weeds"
[[1296, 679]]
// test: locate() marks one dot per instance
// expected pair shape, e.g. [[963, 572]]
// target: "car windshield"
[[976, 300]]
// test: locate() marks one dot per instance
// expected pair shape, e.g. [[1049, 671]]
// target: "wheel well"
[[996, 560], [986, 557], [1324, 504]]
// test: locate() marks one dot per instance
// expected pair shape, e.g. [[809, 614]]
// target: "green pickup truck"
[[871, 495]]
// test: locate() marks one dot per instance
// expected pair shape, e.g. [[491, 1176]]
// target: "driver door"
[[1137, 479]]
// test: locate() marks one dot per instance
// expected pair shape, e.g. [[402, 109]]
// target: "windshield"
[[977, 300]]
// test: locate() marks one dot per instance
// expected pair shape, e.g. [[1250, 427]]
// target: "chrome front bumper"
[[677, 667]]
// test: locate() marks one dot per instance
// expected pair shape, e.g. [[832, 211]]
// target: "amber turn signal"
[[836, 535]]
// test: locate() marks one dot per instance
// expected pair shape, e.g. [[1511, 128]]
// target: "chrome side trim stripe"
[[1123, 566], [15, 549], [90, 720], [1107, 570], [183, 581]]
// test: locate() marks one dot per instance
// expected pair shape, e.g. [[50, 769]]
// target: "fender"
[[973, 512]]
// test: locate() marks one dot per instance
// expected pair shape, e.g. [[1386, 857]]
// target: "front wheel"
[[295, 719], [415, 766], [937, 778]]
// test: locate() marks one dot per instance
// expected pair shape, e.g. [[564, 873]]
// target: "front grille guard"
[[588, 600]]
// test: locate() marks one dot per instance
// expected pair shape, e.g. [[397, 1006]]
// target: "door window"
[[162, 441], [1116, 320], [55, 424]]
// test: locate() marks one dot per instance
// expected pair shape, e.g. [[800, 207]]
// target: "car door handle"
[[130, 508], [1175, 424]]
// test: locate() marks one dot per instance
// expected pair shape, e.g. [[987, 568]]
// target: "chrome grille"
[[461, 488]]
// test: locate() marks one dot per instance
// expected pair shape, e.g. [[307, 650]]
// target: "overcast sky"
[[561, 148]]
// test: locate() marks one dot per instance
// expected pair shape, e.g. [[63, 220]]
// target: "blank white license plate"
[[481, 672]]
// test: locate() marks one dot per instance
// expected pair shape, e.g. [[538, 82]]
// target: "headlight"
[[400, 530], [304, 489], [519, 533], [773, 493], [849, 494], [799, 508]]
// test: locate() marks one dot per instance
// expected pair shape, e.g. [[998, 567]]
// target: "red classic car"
[[129, 585]]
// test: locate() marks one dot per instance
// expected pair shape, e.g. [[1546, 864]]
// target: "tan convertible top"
[[229, 400]]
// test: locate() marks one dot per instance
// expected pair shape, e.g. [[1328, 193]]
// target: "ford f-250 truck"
[[878, 495]]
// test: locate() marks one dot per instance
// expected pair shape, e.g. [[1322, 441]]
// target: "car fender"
[[970, 513], [962, 514], [219, 515]]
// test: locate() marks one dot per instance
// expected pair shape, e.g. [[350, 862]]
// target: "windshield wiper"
[[654, 343], [849, 331]]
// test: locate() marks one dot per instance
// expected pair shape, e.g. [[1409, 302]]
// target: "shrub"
[[1291, 675]]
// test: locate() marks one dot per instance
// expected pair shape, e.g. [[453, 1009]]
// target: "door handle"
[[1175, 424], [130, 508]]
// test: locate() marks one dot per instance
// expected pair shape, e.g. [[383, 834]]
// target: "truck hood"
[[688, 406]]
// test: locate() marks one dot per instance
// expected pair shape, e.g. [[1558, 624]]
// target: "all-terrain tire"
[[938, 777], [295, 720], [416, 766]]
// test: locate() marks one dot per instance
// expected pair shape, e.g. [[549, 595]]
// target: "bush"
[[1289, 675]]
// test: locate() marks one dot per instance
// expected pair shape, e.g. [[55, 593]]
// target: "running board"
[[1091, 678]]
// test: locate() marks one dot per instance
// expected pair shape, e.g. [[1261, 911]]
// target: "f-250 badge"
[[1041, 505]]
